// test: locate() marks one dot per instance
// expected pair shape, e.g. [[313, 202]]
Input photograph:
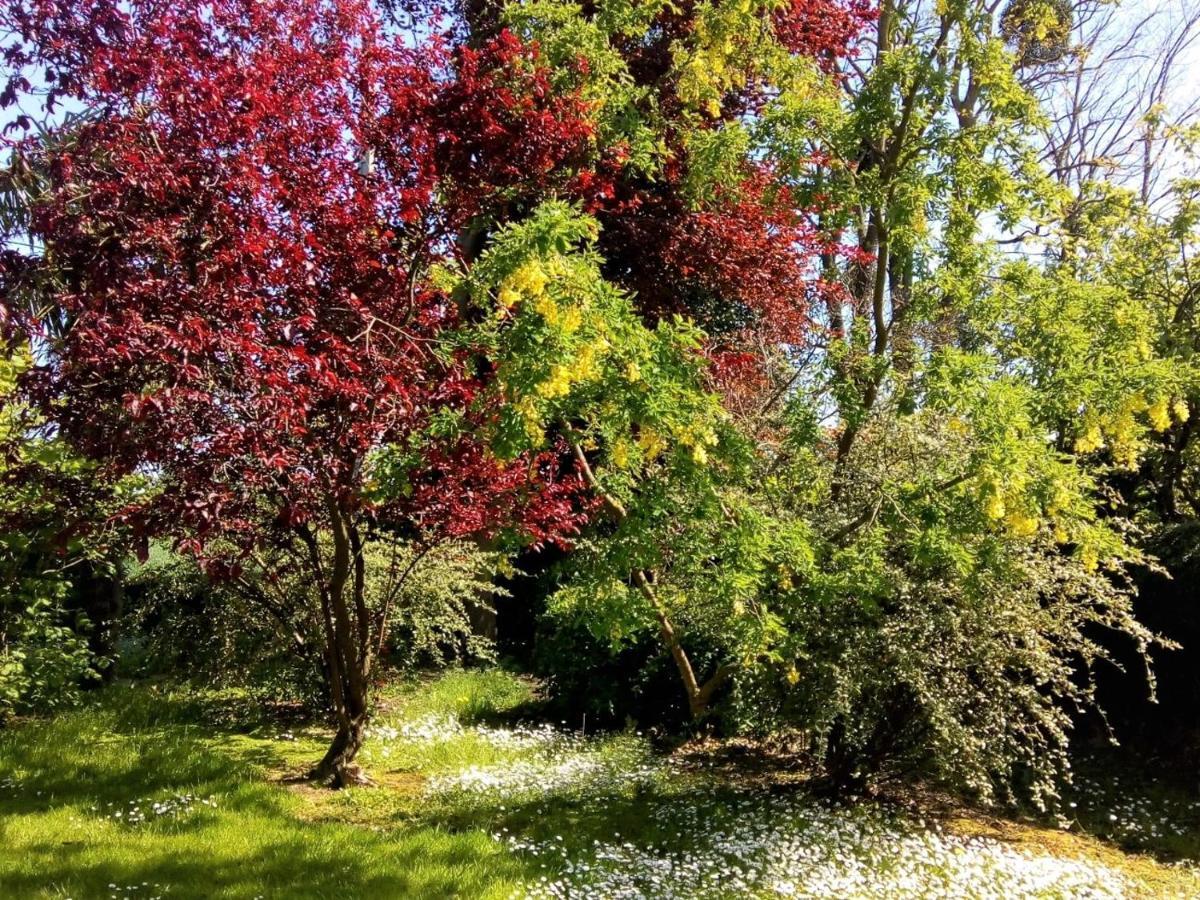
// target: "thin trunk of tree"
[[699, 694]]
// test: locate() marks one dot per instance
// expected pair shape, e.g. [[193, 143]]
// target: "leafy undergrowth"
[[153, 793]]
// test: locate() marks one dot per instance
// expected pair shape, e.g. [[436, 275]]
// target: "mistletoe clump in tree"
[[227, 285]]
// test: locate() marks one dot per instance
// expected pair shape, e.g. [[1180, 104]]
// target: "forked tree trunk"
[[348, 629]]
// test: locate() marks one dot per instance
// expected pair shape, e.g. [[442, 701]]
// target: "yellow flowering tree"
[[679, 545]]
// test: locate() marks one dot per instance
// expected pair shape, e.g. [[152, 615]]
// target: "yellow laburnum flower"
[[699, 455], [1091, 560], [994, 508], [530, 279], [620, 454], [713, 108], [509, 297], [1021, 524], [546, 307], [792, 675], [1181, 411], [1125, 454], [558, 384], [571, 320], [739, 608], [1090, 440], [650, 443], [1160, 414], [633, 372], [531, 419], [585, 363]]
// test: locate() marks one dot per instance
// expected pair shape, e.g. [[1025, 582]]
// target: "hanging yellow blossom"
[[650, 443], [571, 320], [1090, 440], [546, 307], [1160, 414], [531, 419], [530, 279], [558, 384], [620, 454], [1020, 524]]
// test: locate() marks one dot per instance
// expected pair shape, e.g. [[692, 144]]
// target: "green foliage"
[[572, 357], [960, 541], [263, 635], [178, 623], [431, 620], [44, 654], [937, 637]]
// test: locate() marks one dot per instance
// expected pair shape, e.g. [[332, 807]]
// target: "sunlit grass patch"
[[64, 781], [463, 694], [190, 792]]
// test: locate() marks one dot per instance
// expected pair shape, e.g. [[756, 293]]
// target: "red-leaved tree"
[[228, 291]]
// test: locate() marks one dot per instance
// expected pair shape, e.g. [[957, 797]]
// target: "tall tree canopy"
[[714, 292], [249, 232]]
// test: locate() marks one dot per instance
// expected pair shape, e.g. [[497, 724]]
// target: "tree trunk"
[[699, 696], [338, 768], [348, 656]]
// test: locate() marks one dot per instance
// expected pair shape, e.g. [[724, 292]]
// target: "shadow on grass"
[[62, 779], [298, 865]]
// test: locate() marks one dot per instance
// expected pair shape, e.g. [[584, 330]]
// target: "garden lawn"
[[158, 792]]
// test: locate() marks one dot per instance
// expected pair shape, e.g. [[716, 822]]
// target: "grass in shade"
[[152, 791]]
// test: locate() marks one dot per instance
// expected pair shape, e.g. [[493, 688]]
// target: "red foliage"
[[247, 316], [823, 30], [243, 224], [741, 265]]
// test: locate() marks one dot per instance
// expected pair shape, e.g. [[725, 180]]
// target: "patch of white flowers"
[[147, 890], [586, 772], [547, 760], [434, 729], [141, 811], [795, 847]]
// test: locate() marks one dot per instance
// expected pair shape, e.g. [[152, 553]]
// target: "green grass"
[[471, 695], [66, 786], [60, 781]]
